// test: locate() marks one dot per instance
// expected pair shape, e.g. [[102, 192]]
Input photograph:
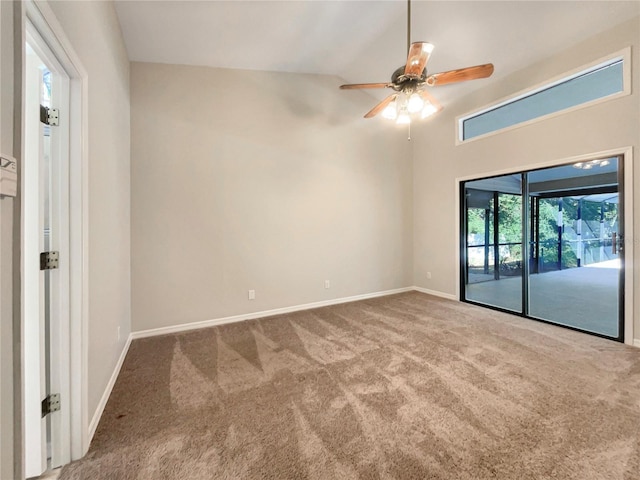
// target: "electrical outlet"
[[118, 333], [428, 274], [252, 294], [327, 284]]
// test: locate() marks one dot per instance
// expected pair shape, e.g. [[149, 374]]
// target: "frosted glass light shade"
[[390, 111], [428, 110], [415, 103]]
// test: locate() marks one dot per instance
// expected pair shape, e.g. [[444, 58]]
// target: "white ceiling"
[[361, 41]]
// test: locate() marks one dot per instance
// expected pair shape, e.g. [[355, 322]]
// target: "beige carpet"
[[402, 387]]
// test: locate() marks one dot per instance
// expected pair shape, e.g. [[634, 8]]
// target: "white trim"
[[265, 313], [108, 389], [627, 154], [211, 323], [456, 239], [436, 293], [628, 244], [636, 342], [239, 318], [224, 320], [45, 22], [545, 164], [60, 453], [624, 55]]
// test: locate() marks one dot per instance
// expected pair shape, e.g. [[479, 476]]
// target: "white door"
[[33, 279], [45, 195]]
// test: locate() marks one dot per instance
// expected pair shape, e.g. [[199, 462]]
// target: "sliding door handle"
[[620, 243]]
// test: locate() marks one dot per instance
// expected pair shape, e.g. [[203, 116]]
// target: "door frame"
[[626, 153], [38, 352], [74, 333]]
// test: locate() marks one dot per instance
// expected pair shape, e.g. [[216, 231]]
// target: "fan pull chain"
[[409, 132]]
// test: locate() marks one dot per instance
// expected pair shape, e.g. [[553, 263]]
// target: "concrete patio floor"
[[585, 298]]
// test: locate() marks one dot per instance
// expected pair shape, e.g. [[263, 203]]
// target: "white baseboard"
[[435, 293], [238, 318], [235, 318], [107, 391], [265, 313], [210, 323]]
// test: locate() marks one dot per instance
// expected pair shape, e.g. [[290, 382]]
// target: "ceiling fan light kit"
[[390, 112], [415, 103], [428, 110], [411, 100], [403, 107]]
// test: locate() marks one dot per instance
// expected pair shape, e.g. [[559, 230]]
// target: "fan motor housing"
[[407, 83]]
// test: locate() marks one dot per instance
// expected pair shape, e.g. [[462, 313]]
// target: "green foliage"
[[510, 218], [510, 228], [476, 219]]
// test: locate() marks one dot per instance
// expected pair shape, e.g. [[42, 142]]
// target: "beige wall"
[[267, 181], [10, 460], [438, 161], [94, 32]]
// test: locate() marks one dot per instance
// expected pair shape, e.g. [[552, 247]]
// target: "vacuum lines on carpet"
[[407, 386]]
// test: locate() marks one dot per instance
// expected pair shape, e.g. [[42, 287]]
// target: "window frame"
[[623, 55]]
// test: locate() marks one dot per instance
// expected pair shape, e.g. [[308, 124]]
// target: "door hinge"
[[50, 404], [48, 260], [49, 116]]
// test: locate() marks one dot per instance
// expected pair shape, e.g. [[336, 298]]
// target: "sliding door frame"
[[622, 230], [526, 242], [625, 190]]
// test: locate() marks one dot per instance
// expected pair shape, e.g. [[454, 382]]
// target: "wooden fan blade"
[[352, 86], [379, 107], [461, 75], [417, 58]]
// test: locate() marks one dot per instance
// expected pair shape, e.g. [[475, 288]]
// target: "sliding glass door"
[[547, 244], [494, 242]]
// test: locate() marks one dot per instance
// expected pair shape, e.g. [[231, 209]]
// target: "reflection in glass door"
[[571, 224]]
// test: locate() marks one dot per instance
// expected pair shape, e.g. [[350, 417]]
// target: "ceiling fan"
[[410, 82]]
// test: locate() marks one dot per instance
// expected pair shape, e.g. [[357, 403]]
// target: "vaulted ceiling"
[[361, 41]]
